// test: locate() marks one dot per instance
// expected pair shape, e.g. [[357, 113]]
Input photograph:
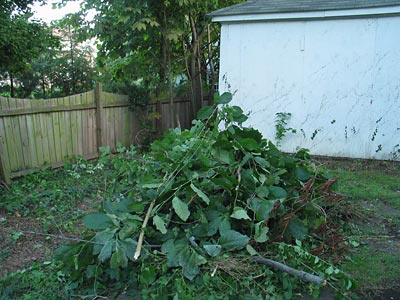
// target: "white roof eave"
[[327, 14]]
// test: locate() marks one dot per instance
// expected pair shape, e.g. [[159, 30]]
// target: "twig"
[[141, 236], [73, 239], [284, 268]]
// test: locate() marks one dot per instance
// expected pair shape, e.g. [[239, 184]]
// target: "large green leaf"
[[97, 221], [225, 98], [262, 208], [278, 192], [205, 112], [238, 115], [233, 240], [160, 224], [239, 213], [148, 275], [101, 238], [106, 251], [181, 208], [302, 173], [260, 232], [213, 250], [248, 144], [296, 229], [262, 162], [179, 253], [200, 193], [118, 259], [190, 262], [128, 246]]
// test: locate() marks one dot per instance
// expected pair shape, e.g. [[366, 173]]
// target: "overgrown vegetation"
[[191, 218], [223, 196]]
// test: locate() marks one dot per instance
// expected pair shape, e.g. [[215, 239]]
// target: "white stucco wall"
[[339, 78]]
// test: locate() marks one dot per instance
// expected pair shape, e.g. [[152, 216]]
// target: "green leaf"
[[191, 264], [205, 112], [97, 221], [248, 144], [297, 229], [233, 240], [223, 155], [179, 253], [262, 162], [260, 233], [224, 98], [251, 250], [160, 224], [213, 250], [106, 251], [181, 208], [118, 259], [200, 193], [237, 114], [278, 192], [262, 191], [262, 208], [239, 213], [148, 275], [129, 247], [329, 270], [302, 174]]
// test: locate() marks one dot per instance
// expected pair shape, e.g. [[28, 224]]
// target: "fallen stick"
[[284, 268], [141, 236]]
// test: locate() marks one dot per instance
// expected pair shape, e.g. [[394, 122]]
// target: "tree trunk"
[[166, 56], [195, 66], [12, 92]]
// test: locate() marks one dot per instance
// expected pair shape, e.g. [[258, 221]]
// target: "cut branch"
[[141, 236], [294, 272]]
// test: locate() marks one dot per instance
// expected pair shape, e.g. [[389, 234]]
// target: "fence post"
[[98, 96], [4, 174]]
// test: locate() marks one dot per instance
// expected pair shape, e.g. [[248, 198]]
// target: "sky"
[[48, 14]]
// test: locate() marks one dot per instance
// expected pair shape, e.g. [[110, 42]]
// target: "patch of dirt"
[[351, 164], [390, 294], [19, 250], [386, 226]]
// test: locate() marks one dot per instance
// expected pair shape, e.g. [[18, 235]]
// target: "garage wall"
[[340, 80]]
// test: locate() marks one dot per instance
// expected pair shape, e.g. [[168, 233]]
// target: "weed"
[[40, 281], [281, 121]]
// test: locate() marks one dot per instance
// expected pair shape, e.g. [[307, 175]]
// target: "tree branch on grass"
[[294, 272]]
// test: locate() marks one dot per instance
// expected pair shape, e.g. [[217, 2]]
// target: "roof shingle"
[[287, 6]]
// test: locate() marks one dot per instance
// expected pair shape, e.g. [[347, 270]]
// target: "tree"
[[73, 69], [21, 40], [158, 42]]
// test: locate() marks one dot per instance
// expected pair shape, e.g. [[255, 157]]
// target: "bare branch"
[[284, 268]]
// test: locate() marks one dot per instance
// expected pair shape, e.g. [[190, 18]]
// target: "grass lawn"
[[52, 202], [374, 191]]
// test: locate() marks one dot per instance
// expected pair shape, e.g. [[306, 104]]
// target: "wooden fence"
[[40, 133]]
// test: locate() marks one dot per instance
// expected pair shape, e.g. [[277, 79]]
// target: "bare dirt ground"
[[18, 250]]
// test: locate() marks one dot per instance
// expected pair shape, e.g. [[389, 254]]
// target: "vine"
[[281, 121]]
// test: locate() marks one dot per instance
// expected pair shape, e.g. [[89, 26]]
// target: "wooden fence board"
[[4, 159], [40, 133]]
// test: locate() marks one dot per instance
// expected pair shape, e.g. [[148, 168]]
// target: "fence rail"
[[41, 133]]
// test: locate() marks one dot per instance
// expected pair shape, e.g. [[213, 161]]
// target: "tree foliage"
[[42, 61], [159, 43]]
